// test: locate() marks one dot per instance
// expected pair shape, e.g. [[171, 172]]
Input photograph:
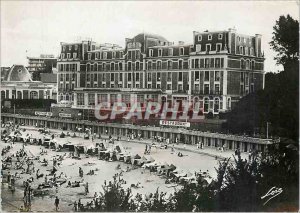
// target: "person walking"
[[56, 203]]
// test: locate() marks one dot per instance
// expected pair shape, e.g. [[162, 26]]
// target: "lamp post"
[[268, 129]]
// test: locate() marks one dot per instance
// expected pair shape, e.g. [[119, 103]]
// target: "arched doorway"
[[216, 104], [33, 95], [19, 95]]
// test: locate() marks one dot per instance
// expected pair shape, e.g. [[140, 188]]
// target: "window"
[[89, 56], [112, 66], [220, 36], [206, 89], [206, 76], [180, 64], [239, 39], [137, 76], [169, 65], [80, 99], [209, 37], [158, 76], [61, 77], [217, 64], [120, 76], [129, 66], [149, 77], [159, 52], [120, 66], [251, 51], [112, 76], [113, 54], [198, 47], [62, 55], [181, 51], [149, 86], [149, 65], [246, 51], [242, 89], [70, 47], [243, 64], [169, 76], [67, 77], [104, 55], [76, 47], [88, 77], [137, 65], [169, 86], [159, 65], [241, 50], [219, 47], [180, 76], [129, 77], [196, 63], [253, 65], [68, 55], [199, 37], [151, 53], [63, 48], [180, 87], [74, 55], [217, 75], [208, 47], [206, 65], [197, 75], [170, 52], [216, 105], [217, 89], [242, 77]]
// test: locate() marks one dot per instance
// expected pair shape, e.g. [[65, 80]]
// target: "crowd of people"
[[25, 161]]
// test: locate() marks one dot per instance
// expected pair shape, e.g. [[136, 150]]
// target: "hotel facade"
[[214, 72]]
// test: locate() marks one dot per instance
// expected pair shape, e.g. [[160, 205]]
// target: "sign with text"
[[43, 113], [65, 115], [174, 123]]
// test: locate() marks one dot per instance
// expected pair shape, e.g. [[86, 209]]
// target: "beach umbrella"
[[137, 156]]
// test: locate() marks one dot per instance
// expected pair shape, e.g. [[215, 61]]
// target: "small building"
[[18, 84]]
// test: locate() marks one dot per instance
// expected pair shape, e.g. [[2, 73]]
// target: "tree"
[[286, 40]]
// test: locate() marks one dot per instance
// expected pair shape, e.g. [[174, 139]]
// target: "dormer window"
[[220, 36], [181, 51], [219, 47], [198, 47], [151, 53], [76, 47], [74, 55], [209, 37], [68, 55], [208, 47], [199, 37]]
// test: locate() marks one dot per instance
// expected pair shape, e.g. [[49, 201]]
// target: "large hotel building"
[[215, 71]]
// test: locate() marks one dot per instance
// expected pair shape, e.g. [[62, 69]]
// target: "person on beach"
[[56, 203]]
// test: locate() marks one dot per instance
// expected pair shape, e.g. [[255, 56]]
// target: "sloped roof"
[[18, 73], [140, 37]]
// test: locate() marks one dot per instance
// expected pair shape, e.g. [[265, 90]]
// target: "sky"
[[31, 28]]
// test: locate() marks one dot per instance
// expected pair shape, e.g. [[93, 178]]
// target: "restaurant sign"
[[65, 115], [174, 123], [43, 113]]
